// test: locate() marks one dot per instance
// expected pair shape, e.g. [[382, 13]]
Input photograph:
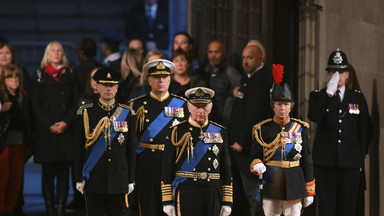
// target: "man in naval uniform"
[[105, 149], [281, 148], [196, 169], [341, 139], [156, 112]]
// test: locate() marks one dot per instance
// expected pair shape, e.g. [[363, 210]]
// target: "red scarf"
[[54, 72]]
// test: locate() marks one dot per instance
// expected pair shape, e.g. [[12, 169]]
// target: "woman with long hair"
[[54, 104], [131, 64], [14, 118]]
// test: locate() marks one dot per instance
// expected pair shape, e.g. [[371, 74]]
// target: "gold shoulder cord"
[[140, 116], [186, 140], [268, 148], [104, 124]]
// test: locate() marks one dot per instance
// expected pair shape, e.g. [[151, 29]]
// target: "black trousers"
[[336, 190], [105, 204], [199, 200]]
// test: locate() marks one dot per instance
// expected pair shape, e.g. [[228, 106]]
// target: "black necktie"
[[338, 96]]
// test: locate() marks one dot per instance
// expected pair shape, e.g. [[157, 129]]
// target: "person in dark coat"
[[223, 78], [54, 105], [155, 112], [111, 40], [15, 137], [342, 136], [251, 106], [281, 148], [105, 149], [149, 21], [196, 167]]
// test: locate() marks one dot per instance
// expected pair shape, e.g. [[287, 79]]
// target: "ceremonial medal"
[[215, 163], [177, 112], [120, 126], [354, 109], [121, 139], [215, 150], [175, 122]]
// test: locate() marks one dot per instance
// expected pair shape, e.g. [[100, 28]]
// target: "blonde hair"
[[144, 75], [45, 61], [131, 62]]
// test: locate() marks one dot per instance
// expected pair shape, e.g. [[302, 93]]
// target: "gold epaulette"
[[258, 126], [82, 107], [125, 106], [217, 124], [179, 97], [178, 124], [305, 124], [130, 102]]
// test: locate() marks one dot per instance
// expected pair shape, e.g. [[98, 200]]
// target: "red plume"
[[277, 71]]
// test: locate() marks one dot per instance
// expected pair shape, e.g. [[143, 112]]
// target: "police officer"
[[156, 112], [105, 140], [196, 170], [281, 148], [341, 139]]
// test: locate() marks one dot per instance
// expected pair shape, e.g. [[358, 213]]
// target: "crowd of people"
[[148, 136]]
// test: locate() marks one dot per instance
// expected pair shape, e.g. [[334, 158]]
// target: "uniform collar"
[[281, 122], [107, 107], [196, 124], [159, 98]]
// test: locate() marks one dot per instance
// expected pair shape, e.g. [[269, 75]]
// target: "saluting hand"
[[332, 84]]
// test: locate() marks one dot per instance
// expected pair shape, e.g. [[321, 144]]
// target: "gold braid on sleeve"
[[269, 149], [186, 140], [140, 116], [104, 124]]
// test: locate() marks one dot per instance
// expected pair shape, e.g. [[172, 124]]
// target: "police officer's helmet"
[[337, 61]]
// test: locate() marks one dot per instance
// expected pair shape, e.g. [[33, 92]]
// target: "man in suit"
[[196, 164], [111, 40], [156, 112], [105, 149], [341, 139], [150, 22], [251, 106]]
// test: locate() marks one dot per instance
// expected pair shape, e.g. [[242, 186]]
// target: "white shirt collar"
[[257, 69], [112, 57]]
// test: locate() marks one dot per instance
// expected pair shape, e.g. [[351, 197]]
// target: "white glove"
[[80, 187], [307, 201], [131, 186], [169, 210], [332, 84], [259, 168], [225, 210]]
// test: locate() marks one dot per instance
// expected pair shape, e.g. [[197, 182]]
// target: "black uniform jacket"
[[342, 129], [215, 160], [148, 108], [116, 167], [284, 183], [52, 102]]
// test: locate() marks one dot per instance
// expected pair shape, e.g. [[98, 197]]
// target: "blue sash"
[[99, 148], [198, 153], [158, 124], [277, 156]]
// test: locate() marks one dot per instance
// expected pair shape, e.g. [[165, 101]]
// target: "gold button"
[[209, 148], [209, 159], [109, 148], [145, 102], [109, 160], [190, 129], [194, 169], [145, 111], [150, 140], [209, 169], [146, 120]]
